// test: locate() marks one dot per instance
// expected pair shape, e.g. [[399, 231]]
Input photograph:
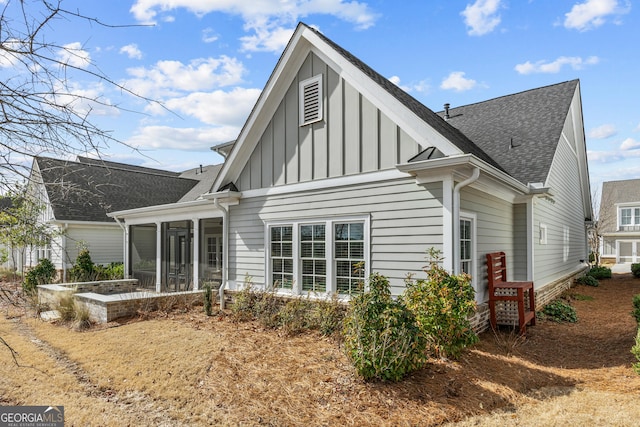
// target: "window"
[[214, 252], [311, 100], [466, 255], [282, 256], [318, 255], [629, 216], [313, 258], [349, 254]]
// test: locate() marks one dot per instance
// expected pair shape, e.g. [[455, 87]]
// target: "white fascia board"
[[414, 126], [158, 209], [95, 224], [492, 180]]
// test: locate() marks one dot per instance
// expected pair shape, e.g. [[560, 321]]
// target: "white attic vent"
[[311, 100]]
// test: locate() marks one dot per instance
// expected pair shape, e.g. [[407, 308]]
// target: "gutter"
[[456, 217]]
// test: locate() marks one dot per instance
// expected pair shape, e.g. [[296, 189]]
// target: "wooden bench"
[[508, 297]]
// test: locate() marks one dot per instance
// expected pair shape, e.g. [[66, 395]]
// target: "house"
[[619, 221], [337, 167], [78, 195]]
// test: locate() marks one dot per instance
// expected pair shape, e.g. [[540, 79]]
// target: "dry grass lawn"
[[184, 368]]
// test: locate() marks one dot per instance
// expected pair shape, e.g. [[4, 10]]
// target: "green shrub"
[[381, 337], [113, 271], [560, 311], [635, 350], [636, 308], [294, 317], [635, 269], [442, 305], [42, 273], [328, 316], [587, 280], [83, 269], [244, 302], [600, 272]]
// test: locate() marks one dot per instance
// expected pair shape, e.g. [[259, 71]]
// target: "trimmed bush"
[[442, 304], [560, 311], [207, 300], [83, 268], [587, 280], [635, 269], [600, 272], [636, 308], [381, 337], [635, 350], [42, 273]]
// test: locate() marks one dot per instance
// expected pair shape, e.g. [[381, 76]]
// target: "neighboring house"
[[619, 221], [337, 166], [77, 195]]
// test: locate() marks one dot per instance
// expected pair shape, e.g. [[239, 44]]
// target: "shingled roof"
[[88, 190], [519, 131]]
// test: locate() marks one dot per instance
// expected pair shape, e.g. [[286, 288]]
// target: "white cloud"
[[593, 13], [629, 144], [421, 87], [84, 99], [213, 108], [267, 20], [132, 51], [604, 156], [73, 55], [456, 81], [171, 78], [602, 132], [209, 36], [574, 62], [184, 139], [481, 17]]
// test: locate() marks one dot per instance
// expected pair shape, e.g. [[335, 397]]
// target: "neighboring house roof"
[[106, 163], [206, 175], [87, 190], [613, 193], [519, 131]]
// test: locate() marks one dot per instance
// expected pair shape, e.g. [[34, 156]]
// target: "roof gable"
[[419, 122], [87, 191], [614, 193]]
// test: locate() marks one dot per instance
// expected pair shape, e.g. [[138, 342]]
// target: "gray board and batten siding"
[[355, 137]]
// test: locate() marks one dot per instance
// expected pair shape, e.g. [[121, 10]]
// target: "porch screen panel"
[[142, 254]]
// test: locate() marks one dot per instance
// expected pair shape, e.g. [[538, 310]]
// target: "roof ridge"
[[133, 169], [522, 92]]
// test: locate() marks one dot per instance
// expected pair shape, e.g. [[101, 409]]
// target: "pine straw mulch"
[[189, 369]]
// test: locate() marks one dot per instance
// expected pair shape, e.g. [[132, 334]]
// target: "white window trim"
[[301, 102], [469, 216], [329, 251], [633, 206]]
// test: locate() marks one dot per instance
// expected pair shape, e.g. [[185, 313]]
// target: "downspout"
[[456, 217], [63, 254], [225, 249], [125, 242]]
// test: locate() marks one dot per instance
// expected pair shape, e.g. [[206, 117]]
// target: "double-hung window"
[[349, 255], [282, 256], [629, 216], [322, 256], [313, 257]]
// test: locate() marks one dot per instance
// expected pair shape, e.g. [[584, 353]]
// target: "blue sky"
[[207, 60]]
